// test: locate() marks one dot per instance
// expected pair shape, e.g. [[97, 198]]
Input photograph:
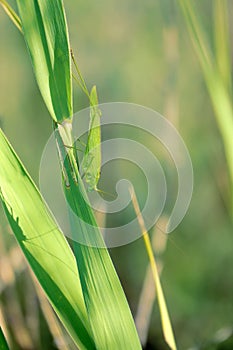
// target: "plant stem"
[[215, 73], [166, 323], [12, 14]]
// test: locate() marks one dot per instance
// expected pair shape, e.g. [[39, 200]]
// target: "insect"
[[91, 163]]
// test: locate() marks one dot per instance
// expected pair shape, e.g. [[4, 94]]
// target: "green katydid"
[[91, 163]]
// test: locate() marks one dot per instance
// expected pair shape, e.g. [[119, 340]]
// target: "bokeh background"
[[137, 52]]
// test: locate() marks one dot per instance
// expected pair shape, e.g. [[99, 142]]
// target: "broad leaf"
[[45, 31], [108, 311], [43, 244]]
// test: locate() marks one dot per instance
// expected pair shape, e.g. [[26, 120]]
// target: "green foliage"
[[45, 31], [109, 314], [216, 68], [41, 240], [128, 55], [3, 343], [43, 244]]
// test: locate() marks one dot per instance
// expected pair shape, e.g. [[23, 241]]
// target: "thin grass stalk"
[[148, 293], [215, 72], [165, 319], [12, 14], [222, 41]]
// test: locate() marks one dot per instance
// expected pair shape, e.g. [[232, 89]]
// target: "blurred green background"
[[137, 52]]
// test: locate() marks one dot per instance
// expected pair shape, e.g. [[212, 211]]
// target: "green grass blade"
[[109, 314], [45, 31], [3, 342], [222, 41], [11, 13], [217, 84], [165, 319], [108, 311], [91, 163], [43, 244], [197, 35]]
